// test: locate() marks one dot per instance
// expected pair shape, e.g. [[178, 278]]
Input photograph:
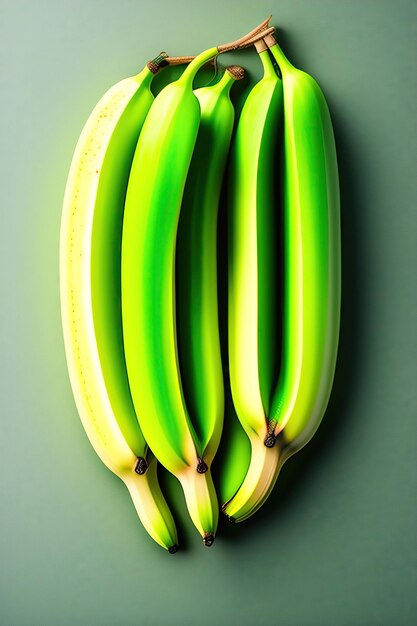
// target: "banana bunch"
[[139, 280]]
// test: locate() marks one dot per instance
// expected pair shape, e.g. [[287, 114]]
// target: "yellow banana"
[[90, 294]]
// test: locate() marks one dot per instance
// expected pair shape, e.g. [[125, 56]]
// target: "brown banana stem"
[[260, 46], [261, 31], [270, 40], [259, 37], [238, 42], [236, 72], [249, 42], [184, 60], [154, 65]]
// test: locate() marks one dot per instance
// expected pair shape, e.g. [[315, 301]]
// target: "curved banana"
[[312, 272], [90, 293], [196, 269], [312, 283], [152, 209], [252, 276]]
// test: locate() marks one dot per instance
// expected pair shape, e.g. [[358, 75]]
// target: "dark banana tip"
[[236, 72], [173, 549], [201, 466], [154, 65], [141, 465], [270, 440], [208, 539]]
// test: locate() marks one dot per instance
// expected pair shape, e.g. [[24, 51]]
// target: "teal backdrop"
[[336, 544]]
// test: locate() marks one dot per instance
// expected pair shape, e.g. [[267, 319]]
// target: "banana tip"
[[201, 466], [208, 539], [141, 466], [173, 549], [270, 440]]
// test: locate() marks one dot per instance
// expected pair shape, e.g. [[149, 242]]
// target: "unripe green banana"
[[251, 247], [252, 276], [196, 276], [152, 209], [311, 270], [90, 294]]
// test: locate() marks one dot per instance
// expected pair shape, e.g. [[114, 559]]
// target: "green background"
[[336, 542]]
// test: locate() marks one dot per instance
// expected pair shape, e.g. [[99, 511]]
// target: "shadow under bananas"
[[332, 436]]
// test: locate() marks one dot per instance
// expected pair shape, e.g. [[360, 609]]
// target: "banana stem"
[[260, 46], [258, 37], [184, 60], [243, 41], [268, 67], [236, 72], [257, 33], [231, 74], [154, 65], [276, 51]]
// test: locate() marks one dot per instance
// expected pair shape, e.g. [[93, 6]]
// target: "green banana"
[[312, 284], [90, 294], [152, 208], [252, 275], [196, 265], [251, 246]]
